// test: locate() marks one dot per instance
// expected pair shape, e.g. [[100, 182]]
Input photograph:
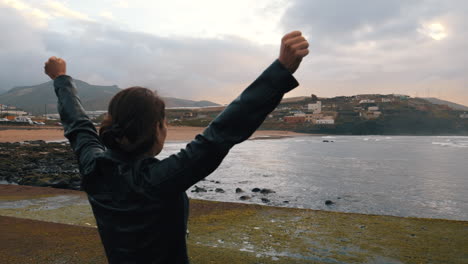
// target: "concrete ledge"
[[228, 233]]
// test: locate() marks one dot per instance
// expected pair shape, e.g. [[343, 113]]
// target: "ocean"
[[409, 176]]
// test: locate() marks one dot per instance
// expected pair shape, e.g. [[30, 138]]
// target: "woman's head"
[[135, 122]]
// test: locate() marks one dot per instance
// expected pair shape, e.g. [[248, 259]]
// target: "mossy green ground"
[[238, 233]]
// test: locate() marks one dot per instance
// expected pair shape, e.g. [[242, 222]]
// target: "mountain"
[[40, 98], [177, 102], [448, 103]]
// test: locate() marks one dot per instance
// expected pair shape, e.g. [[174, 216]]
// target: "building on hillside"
[[324, 122], [370, 114], [401, 96], [95, 114], [315, 108], [373, 108], [296, 113], [366, 101], [294, 119], [310, 118], [386, 100], [358, 108], [464, 115], [189, 115]]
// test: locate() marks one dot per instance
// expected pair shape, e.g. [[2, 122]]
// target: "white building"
[[464, 115], [366, 101], [324, 121], [373, 108], [385, 100], [23, 119], [315, 108]]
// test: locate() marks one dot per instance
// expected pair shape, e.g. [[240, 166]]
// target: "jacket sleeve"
[[235, 124], [79, 130]]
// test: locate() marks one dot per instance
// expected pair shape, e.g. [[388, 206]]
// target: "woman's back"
[[135, 223]]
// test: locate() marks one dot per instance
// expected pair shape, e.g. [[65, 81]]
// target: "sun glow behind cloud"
[[435, 31]]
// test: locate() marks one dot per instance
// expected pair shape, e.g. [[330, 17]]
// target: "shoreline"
[[52, 230], [174, 134]]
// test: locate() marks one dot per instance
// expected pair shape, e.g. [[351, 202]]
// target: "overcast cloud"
[[367, 46]]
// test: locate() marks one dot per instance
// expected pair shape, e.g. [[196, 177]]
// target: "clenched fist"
[[294, 47], [55, 67]]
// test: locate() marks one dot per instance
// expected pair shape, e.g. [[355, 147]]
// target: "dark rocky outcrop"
[[266, 191], [198, 189], [38, 163]]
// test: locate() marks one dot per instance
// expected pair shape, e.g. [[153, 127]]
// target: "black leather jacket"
[[139, 203]]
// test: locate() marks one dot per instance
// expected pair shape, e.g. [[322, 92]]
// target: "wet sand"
[[229, 233], [16, 134]]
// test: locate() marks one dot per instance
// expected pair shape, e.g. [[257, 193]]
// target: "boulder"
[[256, 190], [239, 190], [266, 191], [219, 190], [198, 189], [244, 197]]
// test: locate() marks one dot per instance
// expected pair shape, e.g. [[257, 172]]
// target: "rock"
[[265, 200], [60, 183], [198, 189], [244, 197], [219, 190], [267, 191], [329, 202], [286, 202], [39, 142], [217, 182], [239, 190], [256, 190], [325, 141]]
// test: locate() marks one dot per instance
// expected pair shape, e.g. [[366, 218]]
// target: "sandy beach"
[[16, 134]]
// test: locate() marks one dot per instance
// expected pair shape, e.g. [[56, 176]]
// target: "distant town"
[[359, 114]]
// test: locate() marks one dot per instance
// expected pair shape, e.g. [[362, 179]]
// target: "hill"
[[448, 103], [37, 99], [177, 102]]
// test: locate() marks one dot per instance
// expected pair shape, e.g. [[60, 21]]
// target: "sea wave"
[[451, 144]]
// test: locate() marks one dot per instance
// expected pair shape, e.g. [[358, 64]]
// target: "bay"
[[410, 176]]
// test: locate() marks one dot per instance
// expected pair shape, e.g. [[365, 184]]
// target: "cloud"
[[101, 54], [121, 4], [356, 47], [60, 10], [107, 15], [36, 17], [370, 46]]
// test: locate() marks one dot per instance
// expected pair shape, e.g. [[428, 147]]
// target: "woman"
[[139, 202]]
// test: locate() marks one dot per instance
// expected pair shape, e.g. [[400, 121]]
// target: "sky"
[[213, 49]]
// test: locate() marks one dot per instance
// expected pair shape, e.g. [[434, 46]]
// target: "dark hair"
[[130, 124]]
